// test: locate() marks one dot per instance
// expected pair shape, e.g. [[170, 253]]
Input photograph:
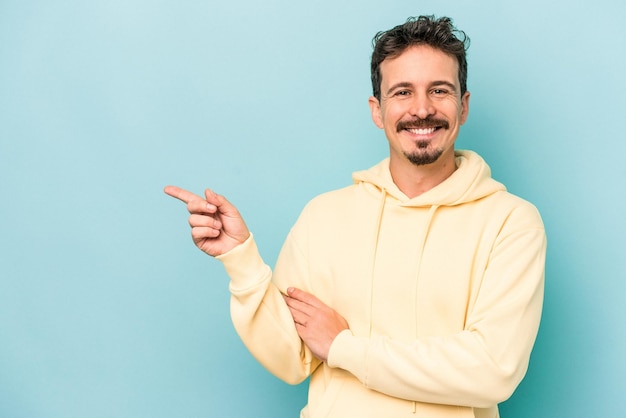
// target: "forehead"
[[420, 64]]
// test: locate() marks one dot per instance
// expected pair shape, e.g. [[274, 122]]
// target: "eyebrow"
[[448, 84], [404, 84], [401, 84]]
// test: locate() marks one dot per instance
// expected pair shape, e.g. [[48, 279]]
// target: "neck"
[[413, 180]]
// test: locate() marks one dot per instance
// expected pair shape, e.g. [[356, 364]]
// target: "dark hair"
[[423, 30]]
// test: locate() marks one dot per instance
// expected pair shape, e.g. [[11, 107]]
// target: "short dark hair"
[[423, 30]]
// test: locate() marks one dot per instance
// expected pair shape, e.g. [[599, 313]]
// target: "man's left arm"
[[479, 366]]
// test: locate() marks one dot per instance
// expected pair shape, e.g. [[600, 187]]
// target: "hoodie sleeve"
[[260, 314], [481, 365]]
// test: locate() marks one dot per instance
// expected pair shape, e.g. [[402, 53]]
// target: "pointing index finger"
[[181, 194]]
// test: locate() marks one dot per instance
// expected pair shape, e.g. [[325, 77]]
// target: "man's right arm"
[[258, 310], [261, 316]]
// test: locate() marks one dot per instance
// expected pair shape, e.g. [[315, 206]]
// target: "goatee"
[[422, 156]]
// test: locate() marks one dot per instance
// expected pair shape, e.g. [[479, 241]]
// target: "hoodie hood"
[[471, 181]]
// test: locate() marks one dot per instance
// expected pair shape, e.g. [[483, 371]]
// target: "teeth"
[[422, 131]]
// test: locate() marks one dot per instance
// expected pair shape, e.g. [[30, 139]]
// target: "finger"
[[304, 297], [201, 206], [204, 221], [300, 329], [299, 317], [299, 306], [181, 194], [221, 203], [202, 232]]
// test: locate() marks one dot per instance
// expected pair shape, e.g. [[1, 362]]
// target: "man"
[[416, 291]]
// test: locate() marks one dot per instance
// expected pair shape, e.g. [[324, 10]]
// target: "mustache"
[[422, 123]]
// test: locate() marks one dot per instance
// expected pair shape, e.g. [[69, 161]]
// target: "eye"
[[440, 92], [402, 93]]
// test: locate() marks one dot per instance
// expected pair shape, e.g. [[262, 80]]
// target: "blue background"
[[106, 307]]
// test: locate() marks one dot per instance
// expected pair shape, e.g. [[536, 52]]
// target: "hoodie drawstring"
[[431, 215], [379, 220]]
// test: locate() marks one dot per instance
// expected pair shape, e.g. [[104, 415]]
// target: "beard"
[[423, 155]]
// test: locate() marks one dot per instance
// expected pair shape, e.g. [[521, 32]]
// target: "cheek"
[[392, 114], [455, 112]]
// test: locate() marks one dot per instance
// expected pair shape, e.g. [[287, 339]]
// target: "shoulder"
[[331, 209], [332, 199], [516, 209]]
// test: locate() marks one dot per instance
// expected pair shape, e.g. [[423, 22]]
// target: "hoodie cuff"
[[244, 265], [349, 353]]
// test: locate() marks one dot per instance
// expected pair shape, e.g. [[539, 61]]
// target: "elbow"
[[289, 375], [498, 386], [293, 380], [292, 374]]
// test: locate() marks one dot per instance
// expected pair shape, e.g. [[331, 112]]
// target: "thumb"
[[233, 224], [221, 203]]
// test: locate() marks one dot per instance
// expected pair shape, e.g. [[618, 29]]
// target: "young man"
[[416, 291]]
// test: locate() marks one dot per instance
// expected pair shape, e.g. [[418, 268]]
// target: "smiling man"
[[417, 290], [421, 105]]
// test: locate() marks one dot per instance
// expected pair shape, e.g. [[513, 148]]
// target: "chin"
[[425, 157]]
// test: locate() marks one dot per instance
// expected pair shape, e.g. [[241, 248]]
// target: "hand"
[[216, 225], [317, 323]]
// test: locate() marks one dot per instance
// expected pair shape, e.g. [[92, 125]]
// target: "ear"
[[377, 116], [465, 107]]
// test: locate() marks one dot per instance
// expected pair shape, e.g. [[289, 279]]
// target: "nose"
[[422, 106]]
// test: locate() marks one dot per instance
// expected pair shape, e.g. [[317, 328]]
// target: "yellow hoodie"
[[443, 294]]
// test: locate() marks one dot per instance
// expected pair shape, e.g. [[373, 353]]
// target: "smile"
[[422, 126], [422, 131]]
